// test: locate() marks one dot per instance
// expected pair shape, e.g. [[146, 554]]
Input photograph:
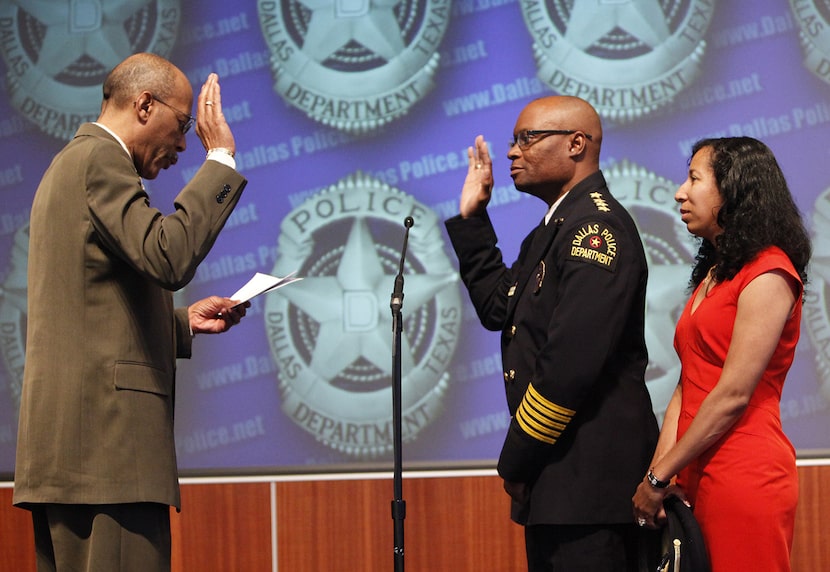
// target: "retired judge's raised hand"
[[211, 127]]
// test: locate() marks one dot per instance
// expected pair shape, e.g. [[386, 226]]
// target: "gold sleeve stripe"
[[549, 405], [536, 431], [542, 419], [533, 399], [532, 432], [532, 422]]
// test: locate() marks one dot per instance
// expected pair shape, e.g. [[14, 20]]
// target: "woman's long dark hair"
[[758, 210]]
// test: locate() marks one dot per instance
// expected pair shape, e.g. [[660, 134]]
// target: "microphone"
[[397, 293]]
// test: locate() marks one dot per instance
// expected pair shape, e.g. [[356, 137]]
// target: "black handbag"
[[678, 546]]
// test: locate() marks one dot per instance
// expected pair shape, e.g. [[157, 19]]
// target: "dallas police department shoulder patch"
[[594, 243]]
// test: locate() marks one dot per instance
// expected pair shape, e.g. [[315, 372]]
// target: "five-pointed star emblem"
[[352, 307], [335, 23], [591, 20], [74, 30]]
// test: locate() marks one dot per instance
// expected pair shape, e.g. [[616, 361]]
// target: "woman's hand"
[[648, 503]]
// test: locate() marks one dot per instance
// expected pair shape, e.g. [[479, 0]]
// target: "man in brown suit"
[[96, 460]]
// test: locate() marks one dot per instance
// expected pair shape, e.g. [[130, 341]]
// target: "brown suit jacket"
[[96, 414]]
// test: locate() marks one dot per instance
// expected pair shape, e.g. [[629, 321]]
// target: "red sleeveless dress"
[[744, 488]]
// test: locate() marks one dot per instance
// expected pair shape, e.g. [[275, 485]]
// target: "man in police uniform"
[[571, 311]]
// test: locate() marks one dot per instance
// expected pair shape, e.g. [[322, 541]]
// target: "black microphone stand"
[[398, 504]]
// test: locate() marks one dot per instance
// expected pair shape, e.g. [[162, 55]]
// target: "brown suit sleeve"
[[166, 249]]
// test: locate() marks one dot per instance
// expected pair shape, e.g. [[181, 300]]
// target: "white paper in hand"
[[260, 284]]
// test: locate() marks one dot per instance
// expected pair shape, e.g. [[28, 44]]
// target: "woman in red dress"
[[721, 445]]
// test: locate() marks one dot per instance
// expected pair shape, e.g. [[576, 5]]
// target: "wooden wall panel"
[[455, 523], [334, 526], [461, 524], [16, 537], [223, 527], [811, 542], [458, 524]]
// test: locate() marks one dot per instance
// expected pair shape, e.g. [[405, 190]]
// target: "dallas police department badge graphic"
[[331, 335], [814, 21], [816, 311], [354, 65], [58, 53], [626, 57], [670, 251], [13, 315]]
